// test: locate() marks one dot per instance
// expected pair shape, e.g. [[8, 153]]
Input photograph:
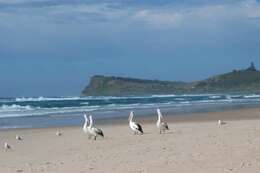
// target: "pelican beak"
[[129, 116]]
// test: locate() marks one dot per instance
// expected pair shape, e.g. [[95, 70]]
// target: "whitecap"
[[15, 107], [252, 96], [29, 99]]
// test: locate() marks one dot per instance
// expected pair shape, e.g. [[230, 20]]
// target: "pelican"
[[19, 138], [220, 123], [93, 130], [137, 128], [163, 126], [58, 133], [86, 128], [7, 146]]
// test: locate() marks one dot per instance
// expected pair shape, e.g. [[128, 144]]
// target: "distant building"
[[252, 67]]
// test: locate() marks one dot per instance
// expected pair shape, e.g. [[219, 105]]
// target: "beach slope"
[[193, 146]]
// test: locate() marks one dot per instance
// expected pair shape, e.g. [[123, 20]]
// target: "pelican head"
[[85, 116], [86, 122], [131, 116], [90, 120], [159, 112]]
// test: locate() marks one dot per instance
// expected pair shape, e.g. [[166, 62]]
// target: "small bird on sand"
[[58, 133], [220, 123], [19, 138], [7, 146]]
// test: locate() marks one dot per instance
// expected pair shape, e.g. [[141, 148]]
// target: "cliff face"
[[245, 81], [119, 86]]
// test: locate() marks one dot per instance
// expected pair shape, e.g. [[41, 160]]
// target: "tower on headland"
[[252, 67]]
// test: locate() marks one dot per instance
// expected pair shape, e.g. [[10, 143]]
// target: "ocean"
[[68, 111]]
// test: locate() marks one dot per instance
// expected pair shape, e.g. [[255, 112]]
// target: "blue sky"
[[52, 47]]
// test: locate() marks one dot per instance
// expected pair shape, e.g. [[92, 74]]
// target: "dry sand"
[[190, 146]]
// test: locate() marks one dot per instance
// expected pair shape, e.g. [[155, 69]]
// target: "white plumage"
[[86, 127], [58, 133], [7, 146], [137, 128], [162, 125], [93, 131], [220, 123], [19, 138]]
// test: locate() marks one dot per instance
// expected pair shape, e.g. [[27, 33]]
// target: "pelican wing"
[[99, 132], [138, 127], [165, 125]]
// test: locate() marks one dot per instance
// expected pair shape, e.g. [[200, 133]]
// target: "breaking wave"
[[41, 106]]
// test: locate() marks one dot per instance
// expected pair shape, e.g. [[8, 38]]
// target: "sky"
[[53, 47]]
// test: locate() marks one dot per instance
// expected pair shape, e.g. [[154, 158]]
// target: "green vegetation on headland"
[[237, 81]]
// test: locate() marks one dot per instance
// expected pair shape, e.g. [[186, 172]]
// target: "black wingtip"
[[101, 133], [140, 129]]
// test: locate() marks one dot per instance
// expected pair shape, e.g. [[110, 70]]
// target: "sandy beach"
[[194, 143]]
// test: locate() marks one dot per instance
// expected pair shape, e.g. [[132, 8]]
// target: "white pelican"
[[58, 133], [86, 128], [137, 128], [19, 138], [163, 126], [93, 130], [7, 146], [220, 123]]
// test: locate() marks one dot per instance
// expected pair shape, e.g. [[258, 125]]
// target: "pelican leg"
[[95, 138]]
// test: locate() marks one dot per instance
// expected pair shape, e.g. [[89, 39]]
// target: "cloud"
[[158, 18], [170, 16], [153, 13]]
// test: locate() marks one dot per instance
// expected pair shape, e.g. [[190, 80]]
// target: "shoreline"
[[34, 113], [238, 113], [191, 145]]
